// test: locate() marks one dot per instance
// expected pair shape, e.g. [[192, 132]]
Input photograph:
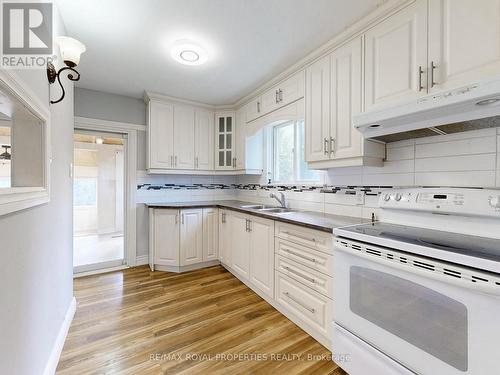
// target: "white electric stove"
[[418, 292]]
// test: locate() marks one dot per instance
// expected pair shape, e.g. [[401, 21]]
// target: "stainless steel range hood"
[[476, 106]]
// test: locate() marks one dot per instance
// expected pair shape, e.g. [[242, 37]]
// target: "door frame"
[[130, 228]]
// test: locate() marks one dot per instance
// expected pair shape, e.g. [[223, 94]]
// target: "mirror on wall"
[[22, 141]]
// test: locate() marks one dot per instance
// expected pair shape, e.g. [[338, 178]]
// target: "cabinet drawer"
[[315, 239], [309, 306], [321, 283], [306, 256]]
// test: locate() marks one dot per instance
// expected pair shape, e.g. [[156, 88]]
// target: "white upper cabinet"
[[396, 57], [204, 140], [333, 96], [224, 140], [160, 135], [317, 121], [191, 237], [184, 137], [286, 92], [464, 42], [345, 101]]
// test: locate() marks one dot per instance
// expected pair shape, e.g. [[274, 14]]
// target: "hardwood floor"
[[201, 322]]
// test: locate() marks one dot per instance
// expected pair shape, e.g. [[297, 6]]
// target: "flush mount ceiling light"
[[70, 49], [189, 53]]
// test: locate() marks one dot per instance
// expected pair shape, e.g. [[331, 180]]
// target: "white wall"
[[111, 107], [36, 270]]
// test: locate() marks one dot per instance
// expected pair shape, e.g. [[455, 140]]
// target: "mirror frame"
[[19, 198]]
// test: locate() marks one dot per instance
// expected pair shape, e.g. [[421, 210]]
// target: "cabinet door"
[[160, 135], [210, 234], [345, 101], [252, 110], [191, 236], [224, 140], [291, 89], [240, 244], [184, 137], [262, 254], [240, 140], [396, 58], [270, 100], [165, 237], [464, 41], [317, 121], [225, 237], [204, 140]]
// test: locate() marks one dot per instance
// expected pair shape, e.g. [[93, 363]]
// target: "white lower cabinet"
[[261, 239], [191, 236], [240, 244], [180, 240], [224, 237]]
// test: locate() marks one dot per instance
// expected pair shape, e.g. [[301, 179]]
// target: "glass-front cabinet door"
[[225, 131]]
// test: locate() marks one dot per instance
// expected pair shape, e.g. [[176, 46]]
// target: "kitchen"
[[306, 189]]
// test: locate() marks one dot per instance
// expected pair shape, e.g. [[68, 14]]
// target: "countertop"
[[310, 219]]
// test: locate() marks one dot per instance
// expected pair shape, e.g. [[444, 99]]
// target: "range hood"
[[474, 106]]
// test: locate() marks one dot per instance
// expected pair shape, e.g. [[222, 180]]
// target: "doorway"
[[99, 200]]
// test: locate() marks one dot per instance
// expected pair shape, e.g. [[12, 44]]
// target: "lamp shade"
[[71, 50]]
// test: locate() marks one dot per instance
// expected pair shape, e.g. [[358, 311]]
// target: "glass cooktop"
[[475, 246]]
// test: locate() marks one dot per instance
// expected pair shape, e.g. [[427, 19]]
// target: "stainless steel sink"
[[258, 207], [276, 210]]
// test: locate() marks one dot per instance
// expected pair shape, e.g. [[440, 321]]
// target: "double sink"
[[268, 209]]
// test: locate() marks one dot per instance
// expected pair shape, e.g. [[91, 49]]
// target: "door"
[[317, 119], [204, 140], [224, 141], [160, 135], [165, 237], [396, 58], [262, 254], [99, 191], [345, 140], [210, 234], [252, 110], [183, 137], [225, 237], [240, 244], [464, 42], [191, 242]]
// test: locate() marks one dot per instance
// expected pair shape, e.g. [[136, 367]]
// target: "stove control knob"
[[398, 197], [387, 197], [495, 202]]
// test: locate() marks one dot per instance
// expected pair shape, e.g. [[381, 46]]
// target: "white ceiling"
[[249, 42]]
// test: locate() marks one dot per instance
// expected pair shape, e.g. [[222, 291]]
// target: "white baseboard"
[[51, 366], [142, 260]]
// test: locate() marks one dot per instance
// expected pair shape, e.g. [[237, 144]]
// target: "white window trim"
[[272, 157], [20, 198]]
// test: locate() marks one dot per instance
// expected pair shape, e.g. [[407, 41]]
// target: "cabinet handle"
[[182, 219], [301, 237], [176, 219], [258, 107], [223, 217], [433, 66], [249, 225], [300, 274], [280, 95], [276, 96], [325, 146], [310, 309], [420, 72], [332, 145], [172, 161], [300, 255], [175, 161], [246, 225]]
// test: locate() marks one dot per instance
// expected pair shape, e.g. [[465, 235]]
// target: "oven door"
[[411, 310]]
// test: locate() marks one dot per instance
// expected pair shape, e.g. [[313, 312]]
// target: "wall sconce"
[[70, 49]]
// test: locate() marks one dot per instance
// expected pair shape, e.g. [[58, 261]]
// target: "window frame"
[[295, 166]]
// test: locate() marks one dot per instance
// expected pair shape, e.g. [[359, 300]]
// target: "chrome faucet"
[[281, 199]]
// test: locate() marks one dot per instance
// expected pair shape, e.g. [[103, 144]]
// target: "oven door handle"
[[459, 282]]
